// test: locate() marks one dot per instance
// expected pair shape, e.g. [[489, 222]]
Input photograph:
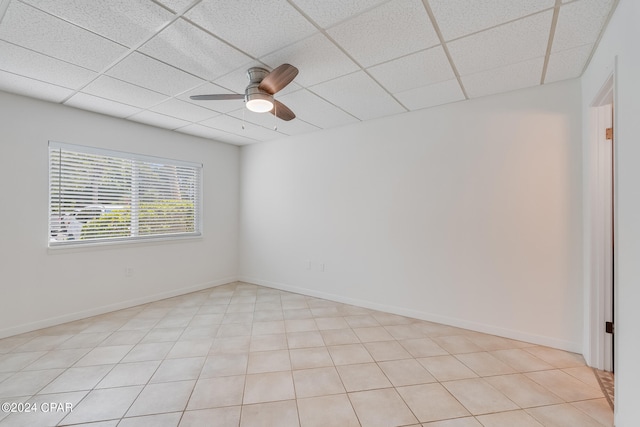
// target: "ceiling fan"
[[258, 95]]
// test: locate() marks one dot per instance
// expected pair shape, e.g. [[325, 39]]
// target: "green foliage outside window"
[[160, 217]]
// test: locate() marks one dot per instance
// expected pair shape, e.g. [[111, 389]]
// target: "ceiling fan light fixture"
[[258, 101], [258, 96], [258, 105]]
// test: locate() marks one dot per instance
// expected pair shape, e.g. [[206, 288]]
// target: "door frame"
[[599, 226]]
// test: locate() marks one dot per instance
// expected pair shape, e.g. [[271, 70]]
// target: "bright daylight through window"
[[104, 196]]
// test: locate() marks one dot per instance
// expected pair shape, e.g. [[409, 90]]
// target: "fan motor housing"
[[256, 74]]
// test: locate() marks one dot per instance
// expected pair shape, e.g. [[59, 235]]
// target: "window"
[[103, 196]]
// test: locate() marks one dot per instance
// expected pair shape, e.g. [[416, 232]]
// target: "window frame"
[[91, 150]]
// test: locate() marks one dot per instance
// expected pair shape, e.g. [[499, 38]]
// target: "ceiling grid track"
[[4, 5], [443, 43], [552, 33]]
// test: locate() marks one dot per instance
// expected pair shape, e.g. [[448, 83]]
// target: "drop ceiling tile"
[[329, 12], [210, 88], [504, 79], [237, 80], [190, 49], [432, 95], [317, 59], [184, 110], [580, 23], [124, 21], [33, 88], [253, 27], [155, 75], [101, 105], [158, 120], [234, 125], [291, 87], [293, 127], [457, 18], [266, 120], [567, 64], [126, 93], [389, 31], [315, 110], [218, 135], [416, 70], [508, 44], [360, 95], [296, 126], [28, 27], [18, 60]]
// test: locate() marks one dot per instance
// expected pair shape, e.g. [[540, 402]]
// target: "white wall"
[[41, 287], [467, 214], [620, 44]]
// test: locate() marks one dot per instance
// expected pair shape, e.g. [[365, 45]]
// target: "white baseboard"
[[70, 317], [571, 346]]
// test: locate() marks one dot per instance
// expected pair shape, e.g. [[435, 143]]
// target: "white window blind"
[[102, 196]]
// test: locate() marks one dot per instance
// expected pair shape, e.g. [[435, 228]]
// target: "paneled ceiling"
[[358, 59]]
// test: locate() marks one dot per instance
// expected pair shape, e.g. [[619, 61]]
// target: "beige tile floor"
[[245, 355]]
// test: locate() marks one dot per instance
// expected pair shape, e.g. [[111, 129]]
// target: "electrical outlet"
[[308, 264], [128, 272], [322, 266]]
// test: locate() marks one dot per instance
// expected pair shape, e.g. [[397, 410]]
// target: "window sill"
[[114, 244]]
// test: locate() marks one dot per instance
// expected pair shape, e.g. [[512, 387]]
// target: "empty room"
[[274, 213]]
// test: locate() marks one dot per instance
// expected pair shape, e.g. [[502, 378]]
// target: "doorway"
[[601, 230], [607, 182]]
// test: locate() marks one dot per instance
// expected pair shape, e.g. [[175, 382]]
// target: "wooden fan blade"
[[217, 97], [278, 78], [281, 111]]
